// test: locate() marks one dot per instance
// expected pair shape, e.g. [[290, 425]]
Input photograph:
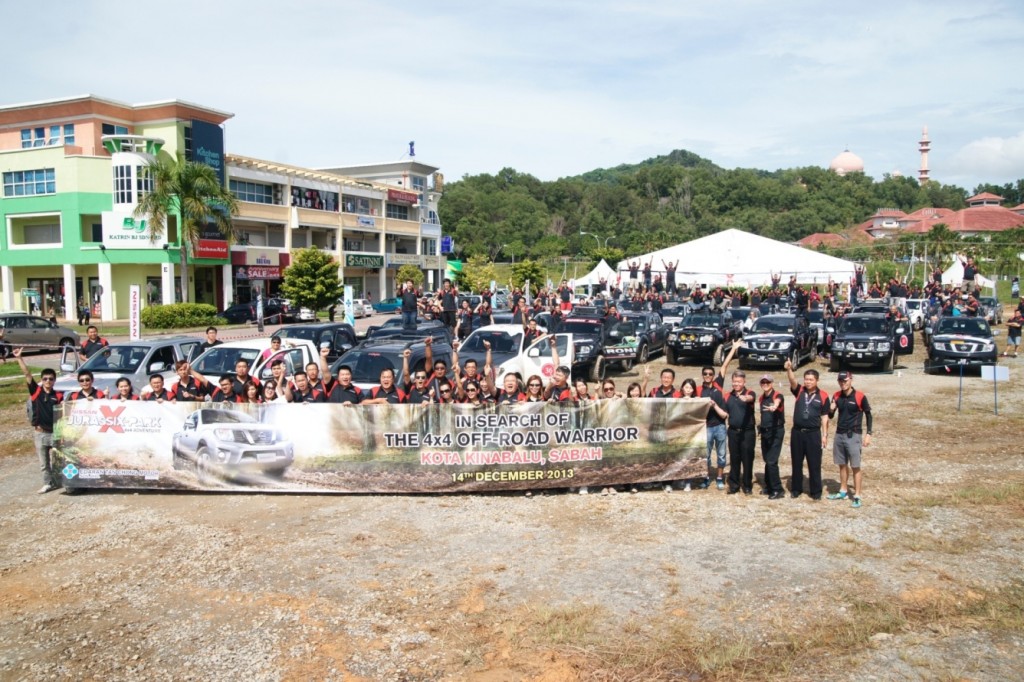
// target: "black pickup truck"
[[870, 340], [960, 342], [589, 336], [773, 339], [703, 335], [635, 338]]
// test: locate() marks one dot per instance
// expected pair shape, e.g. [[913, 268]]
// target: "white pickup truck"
[[220, 360]]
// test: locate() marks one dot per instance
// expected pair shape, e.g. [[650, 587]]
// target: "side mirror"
[[67, 367], [533, 353], [157, 367]]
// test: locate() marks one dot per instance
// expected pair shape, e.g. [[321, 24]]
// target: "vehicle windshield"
[[640, 323], [973, 326], [225, 417], [701, 320], [366, 366], [578, 327], [307, 333], [219, 360], [913, 305], [815, 316], [770, 325], [124, 359], [863, 325], [988, 300], [501, 342]]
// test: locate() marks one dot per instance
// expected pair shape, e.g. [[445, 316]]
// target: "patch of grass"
[[940, 544], [11, 369]]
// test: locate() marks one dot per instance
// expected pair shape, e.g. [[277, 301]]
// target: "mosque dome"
[[847, 162]]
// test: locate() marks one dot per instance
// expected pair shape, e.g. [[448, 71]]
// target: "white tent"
[[954, 275], [594, 277], [734, 257]]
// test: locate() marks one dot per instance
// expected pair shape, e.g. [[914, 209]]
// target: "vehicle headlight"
[[706, 338], [838, 345], [224, 434], [989, 347], [673, 337], [784, 345], [884, 346], [585, 350]]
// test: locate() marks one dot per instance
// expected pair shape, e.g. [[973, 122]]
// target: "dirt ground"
[[922, 583]]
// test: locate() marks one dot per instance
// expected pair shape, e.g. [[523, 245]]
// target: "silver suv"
[[36, 333], [133, 359]]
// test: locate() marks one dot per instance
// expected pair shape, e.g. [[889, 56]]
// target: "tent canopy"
[[602, 271], [737, 258]]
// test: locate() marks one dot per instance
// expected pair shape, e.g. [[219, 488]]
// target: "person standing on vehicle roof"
[[44, 402], [449, 304], [854, 410], [410, 306], [810, 431]]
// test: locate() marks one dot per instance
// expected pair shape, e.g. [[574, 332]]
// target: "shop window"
[[35, 234], [252, 191], [53, 136], [112, 129], [30, 183], [122, 184], [397, 211]]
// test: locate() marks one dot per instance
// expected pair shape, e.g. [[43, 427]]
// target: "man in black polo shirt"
[[343, 390], [449, 304], [93, 343], [415, 384], [410, 306], [225, 391], [158, 391], [739, 403], [386, 392], [242, 375], [810, 431], [853, 409], [303, 392], [191, 385], [211, 340], [44, 400], [86, 391]]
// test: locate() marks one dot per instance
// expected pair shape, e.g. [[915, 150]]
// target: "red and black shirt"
[[662, 392], [345, 394], [89, 347], [741, 412], [81, 394], [394, 396], [162, 394], [809, 408], [189, 390], [43, 403]]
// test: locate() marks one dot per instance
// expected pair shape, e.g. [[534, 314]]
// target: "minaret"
[[923, 145]]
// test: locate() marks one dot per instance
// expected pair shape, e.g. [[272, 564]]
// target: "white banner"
[[134, 312]]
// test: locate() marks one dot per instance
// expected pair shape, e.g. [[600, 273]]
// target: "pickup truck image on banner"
[[378, 448]]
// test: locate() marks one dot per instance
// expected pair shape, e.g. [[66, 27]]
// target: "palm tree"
[[193, 192], [942, 242]]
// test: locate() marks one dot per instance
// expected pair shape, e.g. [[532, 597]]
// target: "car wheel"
[[626, 364], [888, 363], [597, 369], [719, 355], [204, 466], [644, 355], [670, 356], [67, 343]]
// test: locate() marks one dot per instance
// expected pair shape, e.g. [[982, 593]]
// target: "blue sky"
[[558, 88]]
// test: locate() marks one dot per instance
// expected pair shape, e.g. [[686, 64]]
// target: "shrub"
[[179, 315]]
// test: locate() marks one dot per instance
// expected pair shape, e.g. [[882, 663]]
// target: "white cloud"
[[997, 159]]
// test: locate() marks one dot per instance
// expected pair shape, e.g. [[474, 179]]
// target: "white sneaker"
[[46, 488], [686, 488], [584, 490], [668, 487]]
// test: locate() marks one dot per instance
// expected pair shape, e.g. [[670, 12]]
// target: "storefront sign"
[[399, 197], [264, 272], [122, 230], [365, 221], [363, 260], [378, 448], [396, 260], [208, 146], [211, 248], [262, 256]]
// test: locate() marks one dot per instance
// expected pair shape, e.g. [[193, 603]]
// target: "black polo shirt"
[[771, 417], [82, 395], [714, 394], [189, 390], [218, 396], [415, 396], [162, 394], [395, 396], [43, 403], [562, 395], [505, 398], [741, 414], [809, 408], [851, 416], [345, 394], [90, 348], [312, 395]]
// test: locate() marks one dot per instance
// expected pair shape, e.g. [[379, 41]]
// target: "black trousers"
[[771, 449], [741, 459], [806, 445]]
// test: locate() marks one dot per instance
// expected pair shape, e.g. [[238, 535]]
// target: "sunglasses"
[[420, 377], [609, 388], [709, 374], [534, 385], [445, 391], [85, 380], [46, 378]]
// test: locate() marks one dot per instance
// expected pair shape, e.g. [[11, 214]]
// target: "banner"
[[378, 448]]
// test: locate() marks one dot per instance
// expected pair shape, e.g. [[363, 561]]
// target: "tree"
[[478, 273], [528, 270], [312, 281], [409, 273], [193, 192], [942, 242]]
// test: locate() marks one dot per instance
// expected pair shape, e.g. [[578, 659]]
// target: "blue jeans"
[[409, 319], [716, 440]]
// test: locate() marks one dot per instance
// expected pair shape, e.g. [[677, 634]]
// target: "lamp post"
[[606, 240], [511, 252], [582, 233]]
